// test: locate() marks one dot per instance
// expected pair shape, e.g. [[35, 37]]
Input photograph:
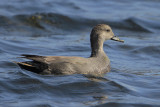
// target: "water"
[[51, 27]]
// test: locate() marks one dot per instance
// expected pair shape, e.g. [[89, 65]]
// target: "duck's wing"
[[44, 59], [40, 64]]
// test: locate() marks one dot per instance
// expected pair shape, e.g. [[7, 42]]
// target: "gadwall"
[[97, 64]]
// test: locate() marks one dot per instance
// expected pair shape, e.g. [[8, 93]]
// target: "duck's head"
[[103, 32]]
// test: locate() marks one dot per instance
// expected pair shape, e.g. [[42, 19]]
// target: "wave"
[[125, 105], [135, 24], [50, 22]]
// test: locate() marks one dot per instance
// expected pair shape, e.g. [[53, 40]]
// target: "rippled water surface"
[[62, 27]]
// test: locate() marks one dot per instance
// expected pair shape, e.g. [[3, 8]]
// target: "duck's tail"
[[29, 65]]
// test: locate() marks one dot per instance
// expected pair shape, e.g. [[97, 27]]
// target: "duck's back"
[[79, 65]]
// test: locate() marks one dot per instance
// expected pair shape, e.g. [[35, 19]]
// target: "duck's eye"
[[108, 30]]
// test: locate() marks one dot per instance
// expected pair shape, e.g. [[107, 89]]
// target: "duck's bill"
[[115, 38]]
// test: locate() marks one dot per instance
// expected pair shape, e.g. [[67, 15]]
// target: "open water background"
[[62, 27]]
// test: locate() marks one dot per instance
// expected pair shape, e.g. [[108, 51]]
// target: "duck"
[[97, 64]]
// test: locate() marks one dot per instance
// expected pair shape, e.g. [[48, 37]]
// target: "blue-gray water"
[[62, 27]]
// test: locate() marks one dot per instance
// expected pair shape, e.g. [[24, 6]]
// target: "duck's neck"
[[97, 47]]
